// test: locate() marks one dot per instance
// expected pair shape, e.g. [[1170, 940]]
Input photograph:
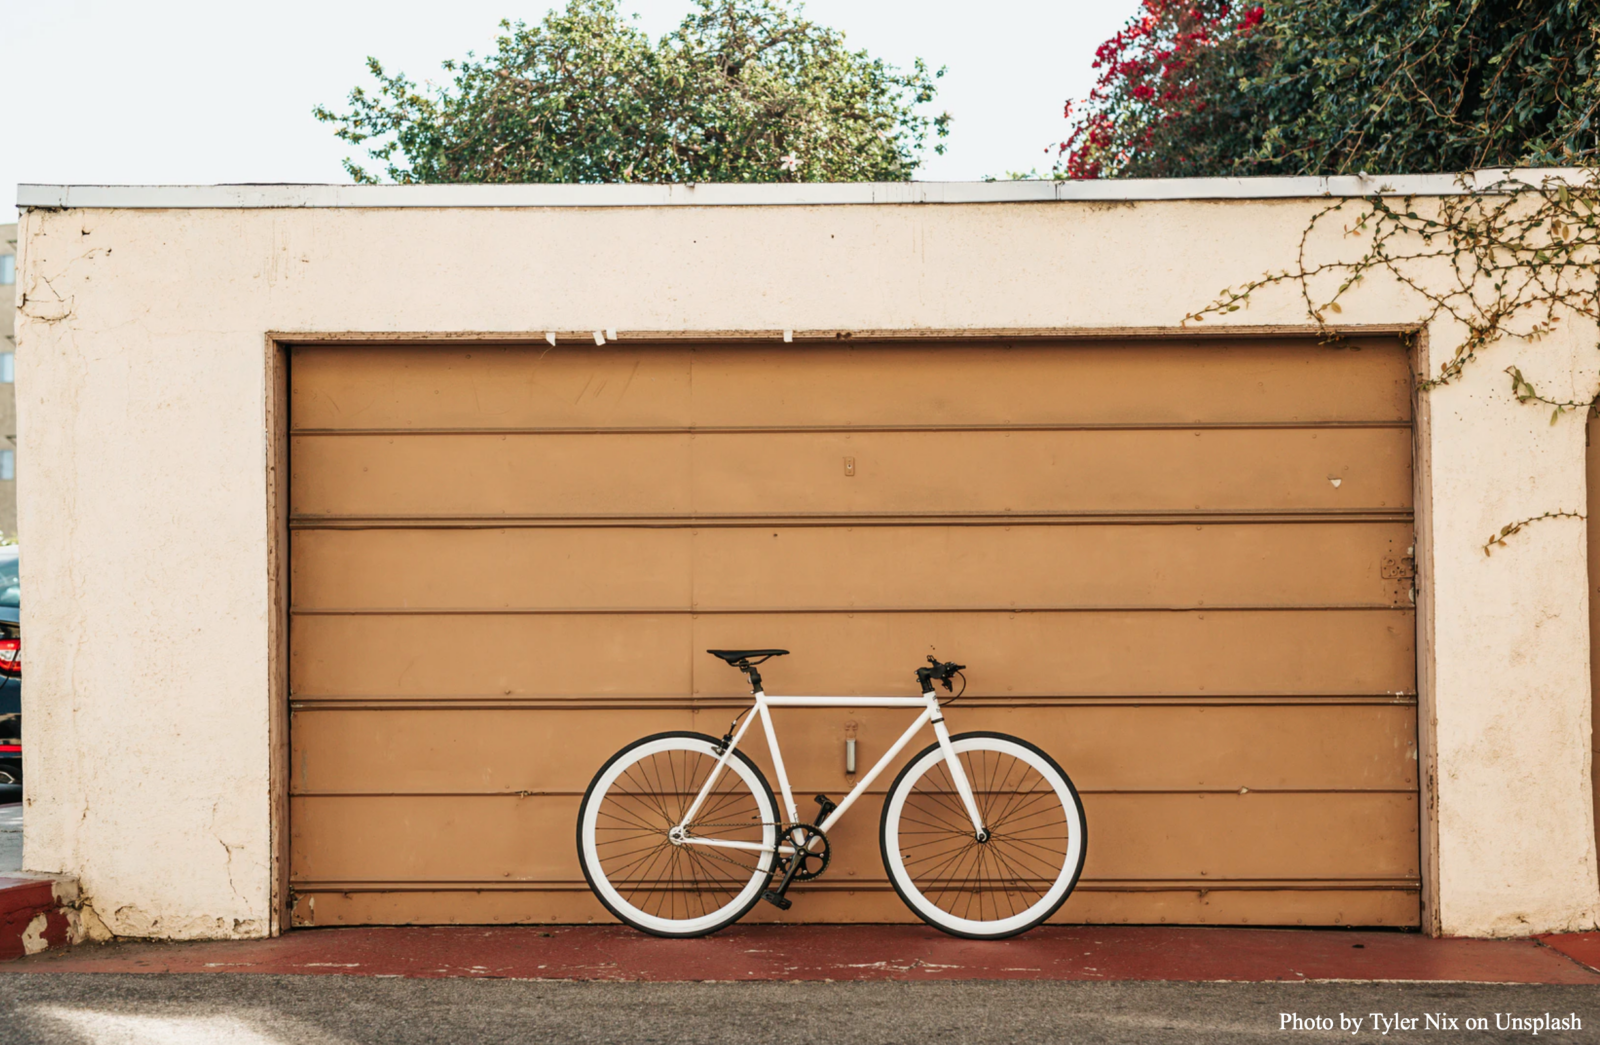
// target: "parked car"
[[10, 670]]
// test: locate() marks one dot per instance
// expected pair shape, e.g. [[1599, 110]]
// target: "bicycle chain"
[[804, 874]]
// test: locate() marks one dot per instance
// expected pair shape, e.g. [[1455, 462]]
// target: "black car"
[[10, 670]]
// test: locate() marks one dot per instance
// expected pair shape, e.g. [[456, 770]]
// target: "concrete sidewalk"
[[856, 953]]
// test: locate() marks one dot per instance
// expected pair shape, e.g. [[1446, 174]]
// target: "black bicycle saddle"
[[734, 656]]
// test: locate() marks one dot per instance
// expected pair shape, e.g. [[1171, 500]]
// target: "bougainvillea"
[[1339, 86], [1160, 107]]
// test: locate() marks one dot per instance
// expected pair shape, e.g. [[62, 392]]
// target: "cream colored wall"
[[145, 424], [8, 398]]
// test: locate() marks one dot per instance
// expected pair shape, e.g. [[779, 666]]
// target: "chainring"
[[804, 838]]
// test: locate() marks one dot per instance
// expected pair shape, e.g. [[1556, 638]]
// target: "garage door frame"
[[278, 462]]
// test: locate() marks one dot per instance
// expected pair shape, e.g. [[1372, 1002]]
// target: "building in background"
[[8, 388]]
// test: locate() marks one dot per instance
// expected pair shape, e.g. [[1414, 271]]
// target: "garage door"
[[1179, 566]]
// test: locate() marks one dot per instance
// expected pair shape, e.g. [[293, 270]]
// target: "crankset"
[[808, 860]]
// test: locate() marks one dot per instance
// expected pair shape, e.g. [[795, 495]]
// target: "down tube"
[[873, 773]]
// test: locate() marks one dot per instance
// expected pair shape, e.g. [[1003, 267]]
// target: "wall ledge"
[[265, 196]]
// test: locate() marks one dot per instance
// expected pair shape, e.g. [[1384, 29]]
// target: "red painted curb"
[[1580, 947], [22, 902], [845, 952]]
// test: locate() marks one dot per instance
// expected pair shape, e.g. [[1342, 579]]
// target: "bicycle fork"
[[957, 772]]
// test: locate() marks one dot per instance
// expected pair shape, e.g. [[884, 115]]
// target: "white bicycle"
[[982, 833]]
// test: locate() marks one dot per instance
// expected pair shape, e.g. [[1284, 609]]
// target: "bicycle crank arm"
[[776, 897], [827, 806], [797, 862]]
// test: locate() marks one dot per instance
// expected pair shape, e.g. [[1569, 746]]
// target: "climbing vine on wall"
[[1520, 259]]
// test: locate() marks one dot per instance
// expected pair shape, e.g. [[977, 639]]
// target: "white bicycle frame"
[[928, 702]]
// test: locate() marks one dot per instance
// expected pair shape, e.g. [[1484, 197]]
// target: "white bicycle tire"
[[613, 898], [1071, 858]]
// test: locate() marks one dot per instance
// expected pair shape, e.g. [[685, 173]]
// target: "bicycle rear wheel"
[[994, 887], [645, 877]]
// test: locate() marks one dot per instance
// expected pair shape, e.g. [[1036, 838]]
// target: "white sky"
[[190, 92]]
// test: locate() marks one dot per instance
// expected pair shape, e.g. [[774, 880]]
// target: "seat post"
[[741, 659]]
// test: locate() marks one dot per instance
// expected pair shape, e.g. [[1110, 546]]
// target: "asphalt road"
[[224, 1009], [10, 828]]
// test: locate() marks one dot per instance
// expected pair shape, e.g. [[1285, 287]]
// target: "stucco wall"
[[8, 399], [143, 399]]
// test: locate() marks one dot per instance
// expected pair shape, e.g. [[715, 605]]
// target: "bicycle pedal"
[[828, 806], [782, 903]]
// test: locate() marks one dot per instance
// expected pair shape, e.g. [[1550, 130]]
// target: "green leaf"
[[743, 90]]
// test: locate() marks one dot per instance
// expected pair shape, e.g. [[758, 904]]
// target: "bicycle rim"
[[634, 867], [1012, 881]]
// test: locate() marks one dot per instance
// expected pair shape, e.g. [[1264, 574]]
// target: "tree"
[[1166, 104], [1340, 86], [743, 90]]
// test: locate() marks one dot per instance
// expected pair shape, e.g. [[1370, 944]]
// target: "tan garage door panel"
[[743, 569], [1117, 383], [1211, 747], [1178, 566], [1162, 837], [745, 474], [1037, 654]]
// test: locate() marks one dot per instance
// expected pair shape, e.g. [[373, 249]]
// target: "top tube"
[[843, 702]]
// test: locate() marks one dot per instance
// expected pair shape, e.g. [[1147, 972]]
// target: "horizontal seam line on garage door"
[[1150, 518], [679, 703], [1099, 884], [1082, 791], [1268, 515], [997, 426], [545, 611], [1380, 512], [880, 791]]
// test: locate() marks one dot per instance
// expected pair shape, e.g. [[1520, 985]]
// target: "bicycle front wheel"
[[995, 886], [665, 885]]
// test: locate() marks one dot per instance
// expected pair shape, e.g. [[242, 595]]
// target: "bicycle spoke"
[[1011, 876], [1025, 851], [669, 882]]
